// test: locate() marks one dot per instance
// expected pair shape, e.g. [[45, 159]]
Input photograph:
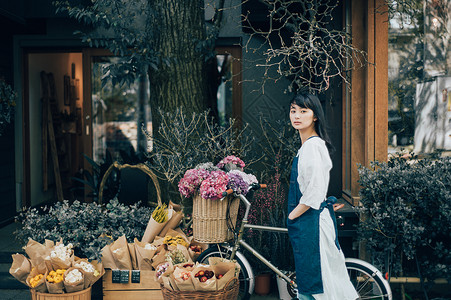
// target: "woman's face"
[[302, 118]]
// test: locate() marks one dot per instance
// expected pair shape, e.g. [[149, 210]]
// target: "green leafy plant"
[[404, 206], [88, 226]]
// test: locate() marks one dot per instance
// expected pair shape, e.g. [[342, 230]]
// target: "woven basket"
[[81, 295], [210, 218], [230, 292], [142, 167]]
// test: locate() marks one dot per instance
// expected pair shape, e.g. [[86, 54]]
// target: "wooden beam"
[[370, 84], [358, 84], [368, 128], [381, 82]]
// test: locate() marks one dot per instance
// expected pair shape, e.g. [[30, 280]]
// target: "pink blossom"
[[191, 181], [214, 185], [231, 159]]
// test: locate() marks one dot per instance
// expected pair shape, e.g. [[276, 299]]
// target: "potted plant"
[[7, 105]]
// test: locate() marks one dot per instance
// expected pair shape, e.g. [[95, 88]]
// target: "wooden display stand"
[[146, 288]]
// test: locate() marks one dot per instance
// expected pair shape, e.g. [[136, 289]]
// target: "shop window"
[[419, 103]]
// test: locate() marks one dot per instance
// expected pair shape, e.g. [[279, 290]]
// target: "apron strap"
[[329, 203]]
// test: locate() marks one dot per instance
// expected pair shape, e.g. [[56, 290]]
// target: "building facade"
[[36, 42]]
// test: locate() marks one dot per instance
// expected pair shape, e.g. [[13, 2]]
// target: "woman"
[[320, 264]]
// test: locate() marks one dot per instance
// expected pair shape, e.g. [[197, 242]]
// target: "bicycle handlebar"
[[253, 187]]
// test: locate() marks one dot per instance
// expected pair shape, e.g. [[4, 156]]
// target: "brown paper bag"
[[173, 223], [164, 269], [58, 263], [175, 207], [160, 257], [121, 254], [154, 228], [98, 266], [38, 269], [212, 261], [108, 259], [131, 249], [176, 232], [55, 287], [168, 283], [195, 249], [183, 250], [37, 252], [91, 273], [226, 270], [144, 256], [20, 267], [187, 266], [74, 286], [50, 244], [158, 241], [209, 284], [183, 279]]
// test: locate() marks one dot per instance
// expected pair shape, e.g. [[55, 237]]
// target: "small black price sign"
[[125, 276], [116, 276], [136, 276]]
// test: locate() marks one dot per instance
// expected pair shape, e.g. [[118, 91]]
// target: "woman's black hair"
[[305, 100]]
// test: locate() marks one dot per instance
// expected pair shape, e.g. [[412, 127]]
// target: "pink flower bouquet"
[[210, 181]]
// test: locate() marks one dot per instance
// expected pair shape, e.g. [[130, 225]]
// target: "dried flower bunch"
[[210, 181], [73, 276]]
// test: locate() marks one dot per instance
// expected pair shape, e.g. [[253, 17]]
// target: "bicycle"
[[367, 279]]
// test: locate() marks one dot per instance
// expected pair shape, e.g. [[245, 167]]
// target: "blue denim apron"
[[304, 236]]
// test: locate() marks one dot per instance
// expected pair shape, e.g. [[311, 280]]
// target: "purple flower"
[[237, 183]]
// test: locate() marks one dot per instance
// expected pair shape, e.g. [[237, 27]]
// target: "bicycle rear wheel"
[[367, 280], [246, 277]]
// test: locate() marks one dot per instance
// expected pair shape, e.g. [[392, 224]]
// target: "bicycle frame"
[[239, 241]]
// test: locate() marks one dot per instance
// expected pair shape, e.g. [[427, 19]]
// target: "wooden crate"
[[146, 289]]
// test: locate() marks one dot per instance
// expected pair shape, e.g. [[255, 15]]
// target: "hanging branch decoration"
[[302, 44], [186, 140]]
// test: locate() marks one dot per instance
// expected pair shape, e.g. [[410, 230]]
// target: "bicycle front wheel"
[[367, 280], [246, 277]]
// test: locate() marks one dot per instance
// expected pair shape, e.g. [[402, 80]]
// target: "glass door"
[[120, 112], [115, 115]]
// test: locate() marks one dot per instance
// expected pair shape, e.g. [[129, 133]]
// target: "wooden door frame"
[[88, 53], [366, 129], [237, 98]]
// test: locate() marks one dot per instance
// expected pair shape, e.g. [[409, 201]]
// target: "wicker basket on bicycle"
[[212, 218], [230, 292]]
